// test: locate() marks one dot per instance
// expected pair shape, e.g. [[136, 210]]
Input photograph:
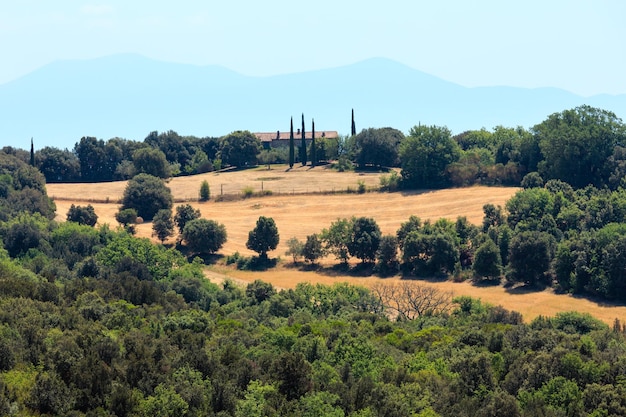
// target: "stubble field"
[[305, 201]]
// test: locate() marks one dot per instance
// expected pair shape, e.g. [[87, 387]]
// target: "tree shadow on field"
[[523, 288], [361, 270], [485, 282]]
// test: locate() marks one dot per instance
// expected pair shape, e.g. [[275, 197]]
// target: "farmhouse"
[[280, 139]]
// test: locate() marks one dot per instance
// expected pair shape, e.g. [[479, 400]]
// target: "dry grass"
[[298, 215]]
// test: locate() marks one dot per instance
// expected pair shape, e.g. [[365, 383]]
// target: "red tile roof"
[[271, 136]]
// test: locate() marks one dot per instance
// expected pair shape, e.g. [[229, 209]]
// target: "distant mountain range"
[[129, 96]]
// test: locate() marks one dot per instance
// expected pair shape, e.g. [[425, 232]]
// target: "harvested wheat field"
[[297, 215]]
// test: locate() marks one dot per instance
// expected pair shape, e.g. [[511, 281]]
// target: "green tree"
[[295, 248], [57, 165], [377, 147], [184, 214], [205, 191], [313, 145], [387, 255], [364, 239], [240, 149], [577, 143], [264, 237], [147, 195], [487, 261], [352, 126], [151, 161], [163, 224], [204, 236], [425, 154], [312, 249], [530, 255], [292, 150], [302, 144], [126, 216], [337, 237], [82, 215]]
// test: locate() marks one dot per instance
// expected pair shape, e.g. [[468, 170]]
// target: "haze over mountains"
[[129, 96]]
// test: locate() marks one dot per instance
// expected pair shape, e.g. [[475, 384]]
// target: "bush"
[[184, 214], [390, 182], [82, 215], [147, 195], [204, 236], [205, 191]]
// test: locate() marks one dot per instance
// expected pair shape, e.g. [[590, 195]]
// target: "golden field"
[[300, 208]]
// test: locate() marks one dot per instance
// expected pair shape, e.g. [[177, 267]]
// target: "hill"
[[129, 96]]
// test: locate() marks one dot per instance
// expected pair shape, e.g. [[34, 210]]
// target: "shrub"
[[204, 236], [147, 195], [205, 191], [82, 215], [247, 192]]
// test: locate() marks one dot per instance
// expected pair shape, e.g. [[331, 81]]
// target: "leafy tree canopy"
[[147, 195]]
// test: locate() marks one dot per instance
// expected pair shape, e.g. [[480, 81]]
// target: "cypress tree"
[[353, 130], [32, 153], [303, 145], [291, 146], [313, 150]]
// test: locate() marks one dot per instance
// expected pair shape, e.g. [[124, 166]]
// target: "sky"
[[570, 44]]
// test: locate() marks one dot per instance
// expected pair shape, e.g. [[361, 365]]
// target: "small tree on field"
[[205, 191], [163, 224], [184, 214], [336, 239], [303, 145], [126, 217], [82, 215], [204, 236], [364, 239], [264, 237], [312, 250], [147, 195], [295, 249]]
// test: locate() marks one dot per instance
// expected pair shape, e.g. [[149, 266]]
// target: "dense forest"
[[97, 322]]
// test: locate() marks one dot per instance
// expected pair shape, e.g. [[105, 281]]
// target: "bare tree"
[[410, 300]]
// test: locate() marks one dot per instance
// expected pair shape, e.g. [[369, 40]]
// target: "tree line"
[[581, 146]]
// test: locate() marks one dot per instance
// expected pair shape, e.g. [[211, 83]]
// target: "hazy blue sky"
[[575, 45]]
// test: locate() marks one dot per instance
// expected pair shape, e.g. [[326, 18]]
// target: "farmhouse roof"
[[272, 136]]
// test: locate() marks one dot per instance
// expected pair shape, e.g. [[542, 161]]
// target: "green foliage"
[[336, 238], [487, 262], [390, 182], [184, 214], [530, 255], [58, 165], [312, 249], [377, 147], [163, 224], [204, 236], [364, 239], [126, 216], [240, 149], [387, 255], [295, 250], [151, 161], [424, 156], [264, 237], [577, 143], [147, 195], [82, 215]]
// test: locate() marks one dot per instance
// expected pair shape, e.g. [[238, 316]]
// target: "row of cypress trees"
[[303, 156]]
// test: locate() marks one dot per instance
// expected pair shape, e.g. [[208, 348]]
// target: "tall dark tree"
[[303, 145], [264, 237], [313, 150], [292, 152], [32, 153], [353, 127]]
